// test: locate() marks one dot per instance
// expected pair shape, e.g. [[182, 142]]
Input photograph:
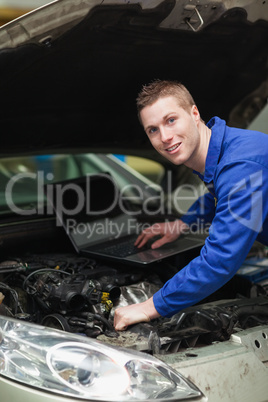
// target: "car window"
[[152, 170], [22, 179]]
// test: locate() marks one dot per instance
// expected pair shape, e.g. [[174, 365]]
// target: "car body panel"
[[245, 357]]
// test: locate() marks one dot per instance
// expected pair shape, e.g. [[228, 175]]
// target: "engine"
[[79, 295]]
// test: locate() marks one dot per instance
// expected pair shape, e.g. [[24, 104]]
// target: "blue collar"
[[217, 127]]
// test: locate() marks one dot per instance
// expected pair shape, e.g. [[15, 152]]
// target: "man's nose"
[[165, 134]]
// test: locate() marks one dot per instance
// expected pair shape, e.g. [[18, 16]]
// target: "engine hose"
[[246, 310], [104, 320]]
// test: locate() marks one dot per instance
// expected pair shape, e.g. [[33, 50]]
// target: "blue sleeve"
[[242, 191], [202, 209]]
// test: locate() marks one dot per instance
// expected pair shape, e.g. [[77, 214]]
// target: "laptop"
[[100, 223]]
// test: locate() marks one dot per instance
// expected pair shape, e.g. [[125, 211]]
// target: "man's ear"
[[195, 114]]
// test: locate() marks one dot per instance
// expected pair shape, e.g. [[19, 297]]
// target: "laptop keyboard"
[[121, 248]]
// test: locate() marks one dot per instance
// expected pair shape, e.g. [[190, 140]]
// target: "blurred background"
[[10, 9]]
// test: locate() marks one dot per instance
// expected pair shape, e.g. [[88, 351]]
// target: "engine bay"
[[79, 295]]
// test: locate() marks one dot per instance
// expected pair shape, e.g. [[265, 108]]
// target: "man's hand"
[[142, 312], [169, 231]]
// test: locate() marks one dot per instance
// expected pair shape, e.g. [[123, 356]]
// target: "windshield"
[[22, 179]]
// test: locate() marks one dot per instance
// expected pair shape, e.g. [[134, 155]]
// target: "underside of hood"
[[74, 88]]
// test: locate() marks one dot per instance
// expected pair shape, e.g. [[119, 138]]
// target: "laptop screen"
[[89, 209]]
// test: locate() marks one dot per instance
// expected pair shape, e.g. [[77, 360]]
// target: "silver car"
[[70, 72]]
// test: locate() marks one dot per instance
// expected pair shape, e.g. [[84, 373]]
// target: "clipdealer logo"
[[250, 212], [166, 201], [107, 226]]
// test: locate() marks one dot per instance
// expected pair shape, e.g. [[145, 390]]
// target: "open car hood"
[[70, 71]]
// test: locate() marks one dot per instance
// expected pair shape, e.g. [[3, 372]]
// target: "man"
[[233, 163]]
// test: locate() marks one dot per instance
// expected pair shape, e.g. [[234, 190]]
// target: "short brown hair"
[[162, 88]]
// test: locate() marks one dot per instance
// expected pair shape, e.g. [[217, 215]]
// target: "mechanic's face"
[[172, 131]]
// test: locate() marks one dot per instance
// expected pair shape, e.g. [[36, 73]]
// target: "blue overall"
[[236, 175]]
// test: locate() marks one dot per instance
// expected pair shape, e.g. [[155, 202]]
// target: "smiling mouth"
[[174, 147]]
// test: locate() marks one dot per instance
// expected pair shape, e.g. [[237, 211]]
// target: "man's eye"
[[171, 120], [152, 130]]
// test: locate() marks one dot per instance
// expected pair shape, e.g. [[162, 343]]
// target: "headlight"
[[79, 367]]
